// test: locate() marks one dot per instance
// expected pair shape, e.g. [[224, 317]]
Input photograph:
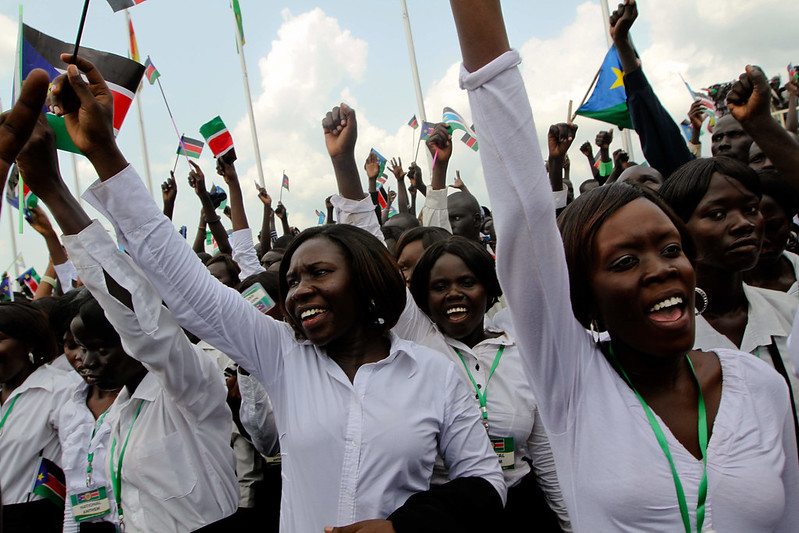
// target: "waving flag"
[[456, 122], [218, 138], [608, 102], [119, 5], [239, 23], [320, 215], [380, 160], [122, 75], [285, 181], [193, 147], [427, 130], [134, 47], [50, 482], [30, 279], [29, 200], [150, 71], [6, 292], [413, 123]]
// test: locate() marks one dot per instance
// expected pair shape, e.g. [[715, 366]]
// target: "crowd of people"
[[615, 361]]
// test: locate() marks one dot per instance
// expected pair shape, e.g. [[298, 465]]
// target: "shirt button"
[[479, 386], [477, 366], [354, 443]]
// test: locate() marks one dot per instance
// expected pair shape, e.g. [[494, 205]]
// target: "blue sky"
[[303, 57]]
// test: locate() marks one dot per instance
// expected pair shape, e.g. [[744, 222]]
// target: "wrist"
[[107, 161]]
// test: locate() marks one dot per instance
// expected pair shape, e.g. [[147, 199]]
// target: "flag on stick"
[[6, 292], [427, 130], [470, 141], [413, 123], [50, 482], [134, 47], [608, 102], [285, 181], [150, 71], [122, 75], [687, 129], [190, 147], [380, 160], [382, 197], [218, 138], [119, 5], [320, 215], [29, 200], [237, 12], [30, 279]]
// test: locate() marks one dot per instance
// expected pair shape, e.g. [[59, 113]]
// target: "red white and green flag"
[[285, 181], [218, 138], [413, 123], [119, 5], [122, 75], [190, 147], [150, 71], [50, 482], [30, 279]]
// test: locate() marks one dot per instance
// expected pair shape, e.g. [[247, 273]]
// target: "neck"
[[478, 335], [9, 386], [768, 270], [725, 289], [649, 374], [356, 350], [135, 379]]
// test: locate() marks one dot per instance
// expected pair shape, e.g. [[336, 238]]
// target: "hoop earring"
[[702, 299], [32, 358]]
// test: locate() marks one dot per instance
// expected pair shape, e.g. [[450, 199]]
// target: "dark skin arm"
[[283, 215], [415, 178], [481, 31], [341, 132], [329, 207], [197, 182], [749, 104], [372, 168], [45, 289], [238, 216], [268, 220], [697, 117], [588, 152], [791, 121], [559, 139], [458, 183], [395, 166], [621, 21], [441, 142], [199, 238], [17, 124], [603, 141], [169, 193]]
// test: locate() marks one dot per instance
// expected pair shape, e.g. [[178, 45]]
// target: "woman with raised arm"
[[641, 437], [361, 414]]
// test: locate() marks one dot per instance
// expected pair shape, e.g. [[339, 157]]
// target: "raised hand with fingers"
[[440, 141], [372, 166], [17, 124], [604, 139], [197, 180], [88, 111], [586, 149], [265, 198], [621, 20], [395, 166], [696, 114]]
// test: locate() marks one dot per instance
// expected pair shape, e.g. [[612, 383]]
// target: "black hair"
[[64, 310], [476, 258], [774, 185], [378, 285], [687, 185], [95, 321], [579, 224], [24, 322], [427, 234], [230, 265]]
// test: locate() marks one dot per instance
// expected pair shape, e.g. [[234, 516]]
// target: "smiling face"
[[321, 298], [456, 299], [641, 281], [727, 226], [105, 363]]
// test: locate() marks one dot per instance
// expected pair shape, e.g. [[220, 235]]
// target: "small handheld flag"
[[119, 5], [193, 147], [150, 71], [413, 123], [218, 197], [6, 292], [29, 200], [456, 122], [30, 279], [687, 129], [285, 181], [219, 139], [381, 197], [50, 482], [608, 102], [380, 160], [427, 130], [320, 215]]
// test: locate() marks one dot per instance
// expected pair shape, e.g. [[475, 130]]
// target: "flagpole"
[[414, 69], [279, 200], [80, 30], [625, 134], [250, 114], [174, 125], [75, 177], [145, 155], [13, 241], [585, 97]]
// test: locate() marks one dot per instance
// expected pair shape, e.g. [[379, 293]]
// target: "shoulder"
[[744, 371], [783, 304]]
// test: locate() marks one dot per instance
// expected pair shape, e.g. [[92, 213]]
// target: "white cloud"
[[8, 44]]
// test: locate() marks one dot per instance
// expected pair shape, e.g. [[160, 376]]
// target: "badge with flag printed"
[[122, 75]]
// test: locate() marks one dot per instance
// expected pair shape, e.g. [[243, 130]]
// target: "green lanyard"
[[701, 429], [482, 395], [91, 454], [116, 477], [10, 407]]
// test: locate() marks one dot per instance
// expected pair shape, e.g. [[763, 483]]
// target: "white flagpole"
[[75, 176], [246, 83], [13, 241], [145, 155], [414, 69], [625, 135]]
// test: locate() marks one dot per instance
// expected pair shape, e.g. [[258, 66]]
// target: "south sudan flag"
[[50, 482], [122, 75]]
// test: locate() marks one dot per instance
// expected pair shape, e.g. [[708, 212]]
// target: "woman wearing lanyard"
[[455, 283], [30, 397], [646, 434]]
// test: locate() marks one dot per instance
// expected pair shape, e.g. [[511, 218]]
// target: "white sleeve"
[[66, 274], [257, 415], [530, 260], [434, 212], [149, 333], [545, 474], [360, 213], [244, 253], [193, 296]]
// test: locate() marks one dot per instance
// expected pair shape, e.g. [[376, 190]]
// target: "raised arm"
[[214, 221], [395, 166], [194, 297], [241, 240], [434, 212], [749, 104], [792, 121], [169, 193]]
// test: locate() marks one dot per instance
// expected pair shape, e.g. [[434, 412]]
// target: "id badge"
[[503, 447], [90, 504]]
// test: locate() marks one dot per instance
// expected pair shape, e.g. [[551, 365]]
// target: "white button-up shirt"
[[350, 450], [79, 438], [31, 431], [178, 471]]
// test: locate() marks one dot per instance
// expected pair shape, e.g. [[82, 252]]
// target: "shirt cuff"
[[560, 198], [66, 274], [436, 199], [473, 80]]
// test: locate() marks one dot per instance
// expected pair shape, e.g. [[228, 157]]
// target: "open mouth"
[[457, 313], [667, 310], [310, 315]]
